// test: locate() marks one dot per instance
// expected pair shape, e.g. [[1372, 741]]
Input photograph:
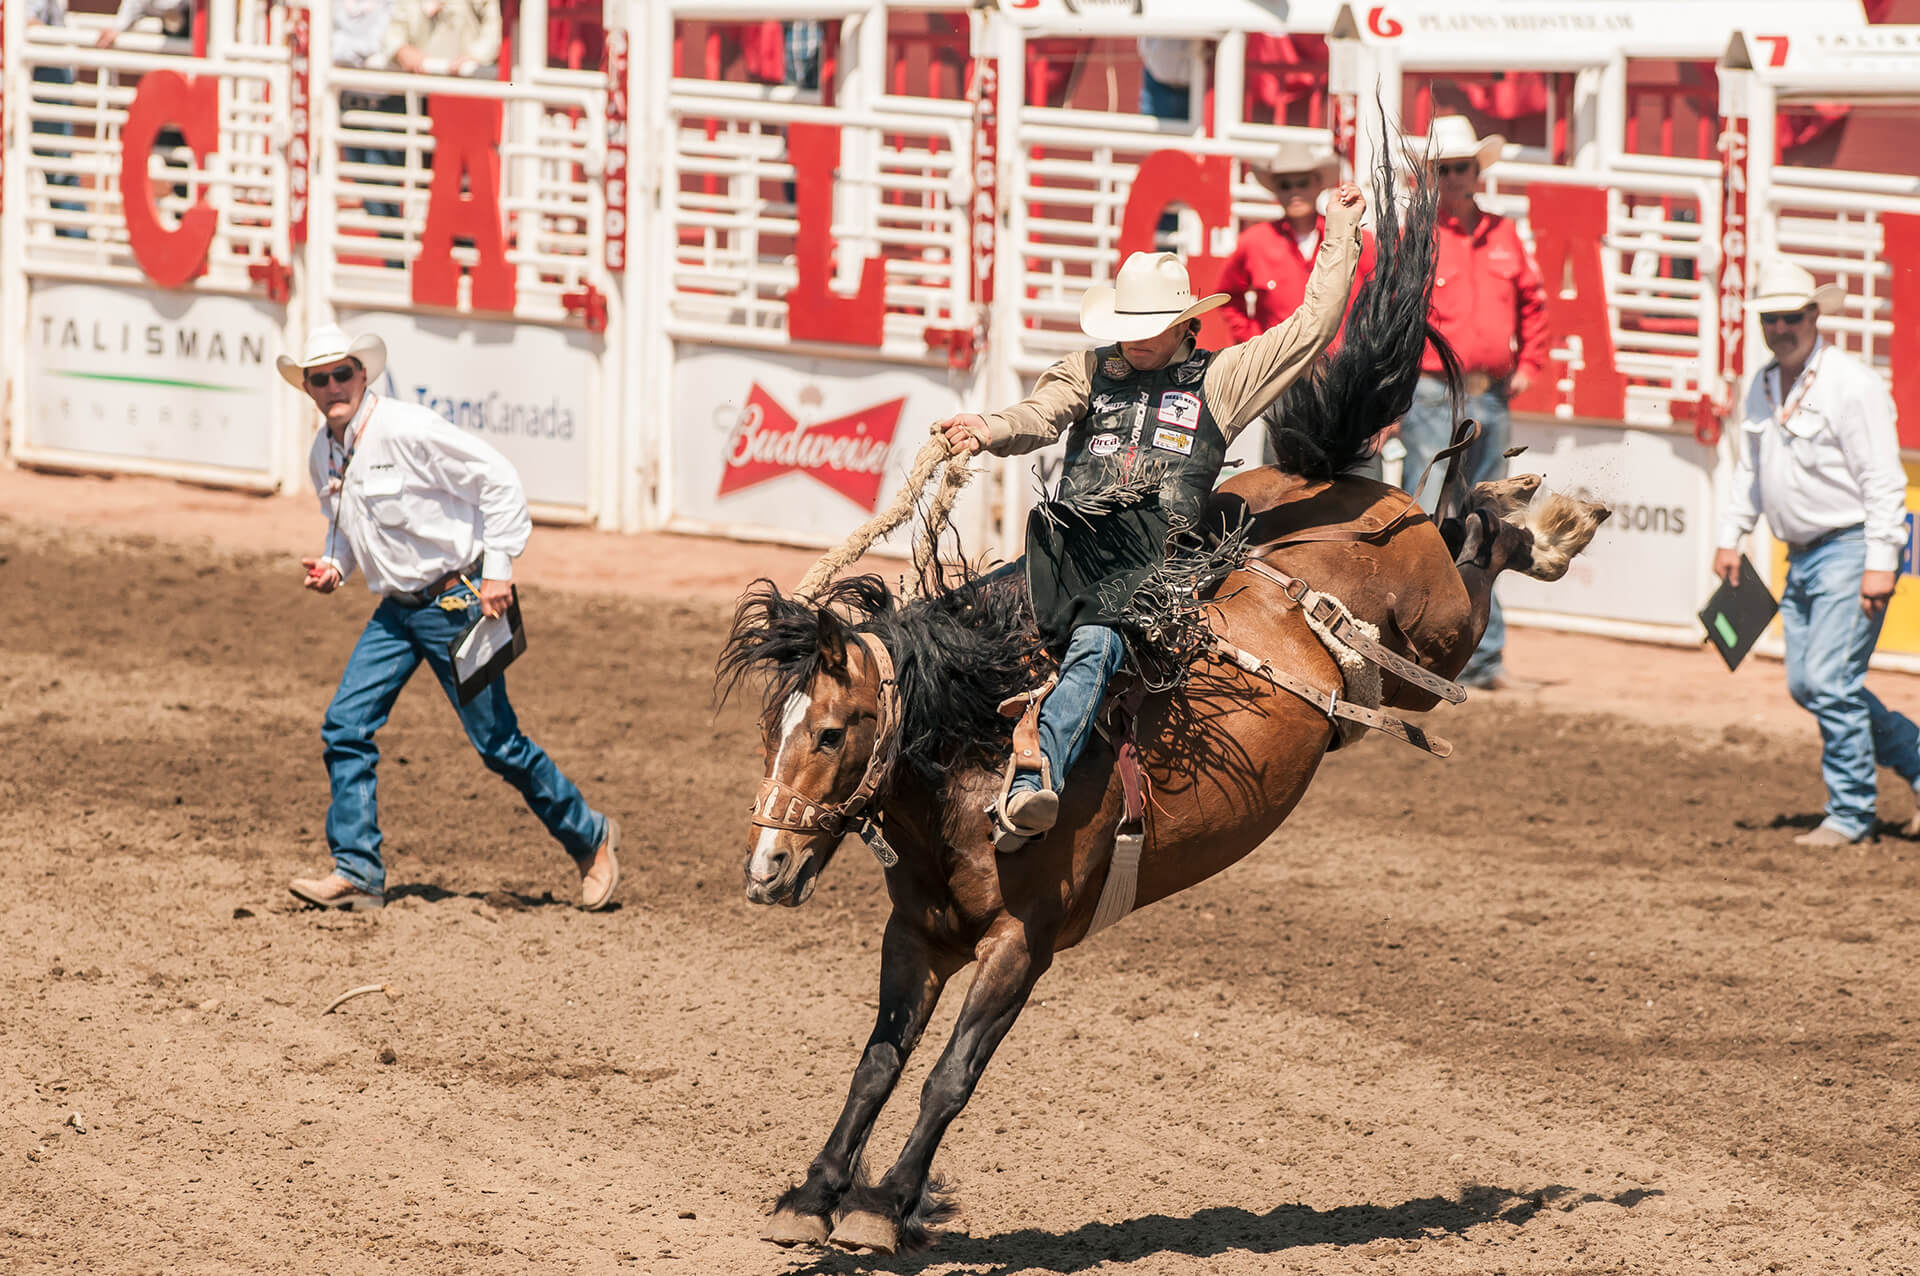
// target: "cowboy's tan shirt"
[[1241, 381]]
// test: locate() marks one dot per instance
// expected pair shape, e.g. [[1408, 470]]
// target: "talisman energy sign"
[[529, 390], [165, 376]]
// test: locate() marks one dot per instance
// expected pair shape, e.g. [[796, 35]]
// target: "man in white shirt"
[[433, 517], [1817, 453]]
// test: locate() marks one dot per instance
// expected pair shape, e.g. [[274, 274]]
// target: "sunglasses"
[[1303, 182], [339, 376], [1450, 168], [1786, 319]]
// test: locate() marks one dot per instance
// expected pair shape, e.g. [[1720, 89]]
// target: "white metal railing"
[[1659, 261], [730, 218], [374, 148], [69, 172], [1829, 222]]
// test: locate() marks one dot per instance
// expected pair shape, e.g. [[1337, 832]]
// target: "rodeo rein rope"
[[928, 459], [778, 806]]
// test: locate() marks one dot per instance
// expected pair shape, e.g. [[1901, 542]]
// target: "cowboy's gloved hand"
[[964, 433], [1345, 204]]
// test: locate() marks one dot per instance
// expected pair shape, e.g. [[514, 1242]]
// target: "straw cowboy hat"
[[1293, 156], [331, 345], [1780, 286], [1150, 295], [1451, 137]]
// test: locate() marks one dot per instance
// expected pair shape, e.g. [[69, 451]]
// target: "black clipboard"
[[1736, 615], [484, 649]]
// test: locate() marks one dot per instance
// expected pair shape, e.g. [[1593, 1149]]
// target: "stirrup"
[[1008, 836]]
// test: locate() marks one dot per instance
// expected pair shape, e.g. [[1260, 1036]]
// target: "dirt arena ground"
[[1569, 1002]]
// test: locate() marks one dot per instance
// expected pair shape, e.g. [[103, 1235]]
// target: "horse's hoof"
[[1507, 498], [864, 1229], [788, 1228]]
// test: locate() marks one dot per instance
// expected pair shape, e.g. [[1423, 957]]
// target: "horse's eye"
[[832, 737]]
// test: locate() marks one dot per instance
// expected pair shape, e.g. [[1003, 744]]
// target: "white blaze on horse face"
[[790, 719]]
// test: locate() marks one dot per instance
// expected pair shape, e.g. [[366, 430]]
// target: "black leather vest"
[[1147, 429]]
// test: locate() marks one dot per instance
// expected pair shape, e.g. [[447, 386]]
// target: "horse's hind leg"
[[911, 977], [892, 1214]]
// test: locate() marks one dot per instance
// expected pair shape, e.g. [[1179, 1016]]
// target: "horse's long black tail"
[[1324, 422]]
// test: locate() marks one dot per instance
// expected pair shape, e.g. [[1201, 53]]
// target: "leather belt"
[[1801, 547], [425, 596]]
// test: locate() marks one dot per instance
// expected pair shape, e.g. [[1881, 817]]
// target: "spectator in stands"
[[360, 40], [432, 516], [445, 37], [1270, 264], [1818, 454], [1166, 76], [53, 13], [800, 45], [1489, 304], [176, 19]]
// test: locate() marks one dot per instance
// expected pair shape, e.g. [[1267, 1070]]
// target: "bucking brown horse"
[[882, 717]]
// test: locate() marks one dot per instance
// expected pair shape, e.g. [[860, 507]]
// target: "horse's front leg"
[[894, 1211], [911, 977]]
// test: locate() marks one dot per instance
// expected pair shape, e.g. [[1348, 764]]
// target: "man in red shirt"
[[1489, 305], [1266, 274]]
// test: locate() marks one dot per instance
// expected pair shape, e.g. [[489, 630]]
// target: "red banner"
[[1902, 255], [1569, 224], [814, 311], [1734, 244], [192, 105], [466, 145], [1202, 183], [300, 141], [615, 251], [847, 453], [985, 214]]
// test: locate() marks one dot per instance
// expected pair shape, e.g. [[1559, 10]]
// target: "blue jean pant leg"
[[1829, 641], [1162, 100], [491, 725], [382, 661], [1424, 431], [1066, 718]]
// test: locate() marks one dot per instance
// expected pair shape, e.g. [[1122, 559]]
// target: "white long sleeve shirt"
[[1833, 462], [420, 498]]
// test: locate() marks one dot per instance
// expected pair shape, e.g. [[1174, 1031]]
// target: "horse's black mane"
[[958, 651], [1324, 422]]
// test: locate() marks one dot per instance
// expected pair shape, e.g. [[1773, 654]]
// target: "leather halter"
[[780, 806]]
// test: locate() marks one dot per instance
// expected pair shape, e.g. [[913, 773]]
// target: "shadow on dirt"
[[507, 901], [1213, 1232]]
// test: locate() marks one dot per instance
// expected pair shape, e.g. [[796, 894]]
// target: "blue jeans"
[[391, 647], [1162, 100], [1424, 430], [1828, 642], [1066, 717]]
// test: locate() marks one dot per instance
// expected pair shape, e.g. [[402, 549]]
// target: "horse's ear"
[[833, 644]]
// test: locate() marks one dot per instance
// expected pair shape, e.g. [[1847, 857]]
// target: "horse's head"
[[829, 726]]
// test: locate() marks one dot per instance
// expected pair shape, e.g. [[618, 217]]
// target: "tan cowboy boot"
[[335, 891], [1824, 836], [1022, 816], [600, 870]]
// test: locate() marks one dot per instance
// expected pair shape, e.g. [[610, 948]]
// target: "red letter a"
[[466, 143]]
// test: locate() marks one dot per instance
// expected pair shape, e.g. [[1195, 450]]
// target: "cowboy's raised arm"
[[1059, 399], [1244, 379]]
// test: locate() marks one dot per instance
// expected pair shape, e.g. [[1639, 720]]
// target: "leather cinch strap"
[[1327, 613], [1329, 702]]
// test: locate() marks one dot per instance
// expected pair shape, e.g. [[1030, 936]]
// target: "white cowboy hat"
[[1150, 295], [1294, 156], [1451, 137], [331, 345], [1780, 286]]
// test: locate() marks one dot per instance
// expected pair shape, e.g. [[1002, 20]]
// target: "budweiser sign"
[[847, 453]]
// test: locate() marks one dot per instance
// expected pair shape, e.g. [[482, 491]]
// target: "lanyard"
[[336, 474], [1784, 412]]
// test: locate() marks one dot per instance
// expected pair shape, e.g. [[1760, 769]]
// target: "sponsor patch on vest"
[[1173, 441], [1115, 368], [1177, 407], [1103, 444], [1105, 403]]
